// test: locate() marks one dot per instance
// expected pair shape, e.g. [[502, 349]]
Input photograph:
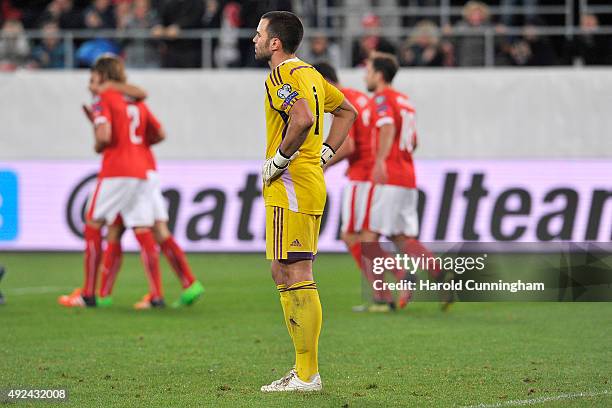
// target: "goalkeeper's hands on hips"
[[327, 152], [275, 166]]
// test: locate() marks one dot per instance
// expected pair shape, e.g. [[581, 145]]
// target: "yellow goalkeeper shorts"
[[290, 235]]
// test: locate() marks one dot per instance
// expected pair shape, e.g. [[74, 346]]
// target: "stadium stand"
[[217, 34]]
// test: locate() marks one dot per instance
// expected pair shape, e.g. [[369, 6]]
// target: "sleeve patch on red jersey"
[[381, 108]]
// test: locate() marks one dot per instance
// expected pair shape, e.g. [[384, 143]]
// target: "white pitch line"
[[540, 400], [34, 290]]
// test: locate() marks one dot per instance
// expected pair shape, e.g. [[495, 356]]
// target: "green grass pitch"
[[220, 351]]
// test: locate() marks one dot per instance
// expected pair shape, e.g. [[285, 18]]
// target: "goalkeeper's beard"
[[261, 55]]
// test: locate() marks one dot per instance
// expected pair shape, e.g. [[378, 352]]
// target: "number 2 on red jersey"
[[134, 114]]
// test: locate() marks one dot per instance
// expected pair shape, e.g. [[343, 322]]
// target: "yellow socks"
[[303, 316], [284, 299]]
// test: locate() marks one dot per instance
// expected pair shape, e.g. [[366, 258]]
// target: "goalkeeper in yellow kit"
[[296, 97]]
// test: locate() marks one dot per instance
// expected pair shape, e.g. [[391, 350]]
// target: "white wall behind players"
[[519, 113]]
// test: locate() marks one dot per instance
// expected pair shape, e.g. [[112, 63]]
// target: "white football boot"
[[291, 382], [280, 380]]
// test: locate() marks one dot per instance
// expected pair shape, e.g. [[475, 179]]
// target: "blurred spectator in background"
[[9, 11], [541, 49], [211, 19], [589, 48], [100, 14], [319, 49], [14, 47], [228, 52], [178, 15], [411, 20], [49, 54], [422, 48], [65, 13], [371, 41], [123, 13], [529, 50], [89, 51], [140, 52], [250, 13], [527, 12], [470, 49]]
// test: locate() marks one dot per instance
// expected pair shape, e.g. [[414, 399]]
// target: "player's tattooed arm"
[[130, 90], [344, 106]]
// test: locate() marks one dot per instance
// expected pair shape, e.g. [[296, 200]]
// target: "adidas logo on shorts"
[[296, 243]]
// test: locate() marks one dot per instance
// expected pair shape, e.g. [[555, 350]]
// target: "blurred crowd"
[[158, 41]]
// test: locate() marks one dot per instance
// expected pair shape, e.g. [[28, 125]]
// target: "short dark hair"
[[327, 70], [287, 27], [386, 64]]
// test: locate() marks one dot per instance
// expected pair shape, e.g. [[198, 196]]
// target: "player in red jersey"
[[122, 187], [393, 201], [358, 149], [148, 131]]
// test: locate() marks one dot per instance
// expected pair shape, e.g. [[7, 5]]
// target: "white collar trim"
[[285, 61]]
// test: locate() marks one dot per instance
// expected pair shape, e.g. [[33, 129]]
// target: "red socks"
[[112, 258], [150, 260], [93, 254], [381, 295], [416, 249], [377, 251], [111, 263], [355, 250], [177, 260]]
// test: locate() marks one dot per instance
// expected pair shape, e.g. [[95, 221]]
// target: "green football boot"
[[106, 301], [190, 295]]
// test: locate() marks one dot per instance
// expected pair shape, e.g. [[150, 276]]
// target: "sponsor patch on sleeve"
[[381, 104], [382, 108]]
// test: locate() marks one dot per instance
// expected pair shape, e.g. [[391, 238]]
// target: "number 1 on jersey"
[[316, 132]]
